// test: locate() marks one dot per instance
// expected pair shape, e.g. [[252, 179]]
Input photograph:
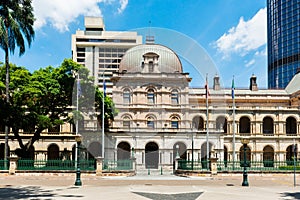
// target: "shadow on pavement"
[[179, 196], [31, 192], [295, 195]]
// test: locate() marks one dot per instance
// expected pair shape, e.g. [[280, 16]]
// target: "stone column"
[[213, 166], [99, 166], [133, 161], [176, 162], [12, 165]]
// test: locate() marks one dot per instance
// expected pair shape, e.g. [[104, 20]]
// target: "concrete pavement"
[[164, 187]]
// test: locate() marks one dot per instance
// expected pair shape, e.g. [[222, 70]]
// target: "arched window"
[[126, 122], [174, 97], [221, 124], [268, 125], [53, 152], [174, 122], [94, 150], [123, 151], [204, 154], [126, 96], [244, 125], [291, 126], [268, 156], [290, 155], [248, 155], [150, 96], [151, 155], [180, 149], [225, 156], [198, 123], [150, 122]]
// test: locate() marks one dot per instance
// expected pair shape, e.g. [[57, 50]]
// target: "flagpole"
[[233, 116], [103, 99], [77, 114], [207, 132]]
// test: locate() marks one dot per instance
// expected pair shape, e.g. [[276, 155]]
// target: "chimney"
[[253, 84], [216, 82]]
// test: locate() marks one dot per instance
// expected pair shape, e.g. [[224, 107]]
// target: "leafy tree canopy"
[[43, 99]]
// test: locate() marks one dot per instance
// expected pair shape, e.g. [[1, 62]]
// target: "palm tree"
[[16, 21]]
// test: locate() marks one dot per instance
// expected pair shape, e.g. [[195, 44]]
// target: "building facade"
[[159, 113], [283, 41], [101, 51]]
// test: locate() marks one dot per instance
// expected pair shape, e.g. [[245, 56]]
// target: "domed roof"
[[133, 59]]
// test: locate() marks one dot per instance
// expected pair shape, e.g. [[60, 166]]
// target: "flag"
[[232, 89], [104, 88], [206, 88]]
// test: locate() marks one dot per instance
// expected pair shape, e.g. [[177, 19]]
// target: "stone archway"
[[53, 152], [268, 156], [204, 158], [151, 155], [291, 126], [181, 150], [248, 155], [198, 123], [290, 155], [123, 151], [94, 150], [268, 126], [244, 125], [221, 123]]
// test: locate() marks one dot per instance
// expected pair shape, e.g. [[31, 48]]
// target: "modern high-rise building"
[[100, 50], [283, 41]]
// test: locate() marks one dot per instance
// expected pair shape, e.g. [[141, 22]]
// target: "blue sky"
[[231, 32]]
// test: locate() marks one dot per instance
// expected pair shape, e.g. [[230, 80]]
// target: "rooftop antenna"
[[149, 37]]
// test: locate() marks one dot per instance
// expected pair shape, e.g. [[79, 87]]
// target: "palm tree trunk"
[[7, 96]]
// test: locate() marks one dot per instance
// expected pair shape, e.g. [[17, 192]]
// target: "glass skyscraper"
[[283, 41]]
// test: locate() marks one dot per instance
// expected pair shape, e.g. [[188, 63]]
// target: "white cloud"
[[250, 63], [123, 5], [262, 52], [60, 14], [245, 37]]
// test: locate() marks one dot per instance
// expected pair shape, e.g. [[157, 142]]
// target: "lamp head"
[[78, 138], [245, 141]]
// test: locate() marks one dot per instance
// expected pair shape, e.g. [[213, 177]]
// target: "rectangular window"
[[174, 99], [150, 124], [126, 124], [174, 124], [150, 98]]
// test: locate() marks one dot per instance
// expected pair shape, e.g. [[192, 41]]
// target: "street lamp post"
[[245, 174], [78, 139]]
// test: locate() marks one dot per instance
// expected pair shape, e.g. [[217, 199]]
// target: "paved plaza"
[[159, 187]]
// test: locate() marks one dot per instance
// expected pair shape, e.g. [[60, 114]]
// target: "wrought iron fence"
[[4, 164], [117, 165], [55, 165], [198, 165], [268, 165]]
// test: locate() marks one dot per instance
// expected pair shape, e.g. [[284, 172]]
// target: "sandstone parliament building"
[[160, 114]]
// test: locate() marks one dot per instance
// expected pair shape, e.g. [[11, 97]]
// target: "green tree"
[[16, 22], [43, 100]]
